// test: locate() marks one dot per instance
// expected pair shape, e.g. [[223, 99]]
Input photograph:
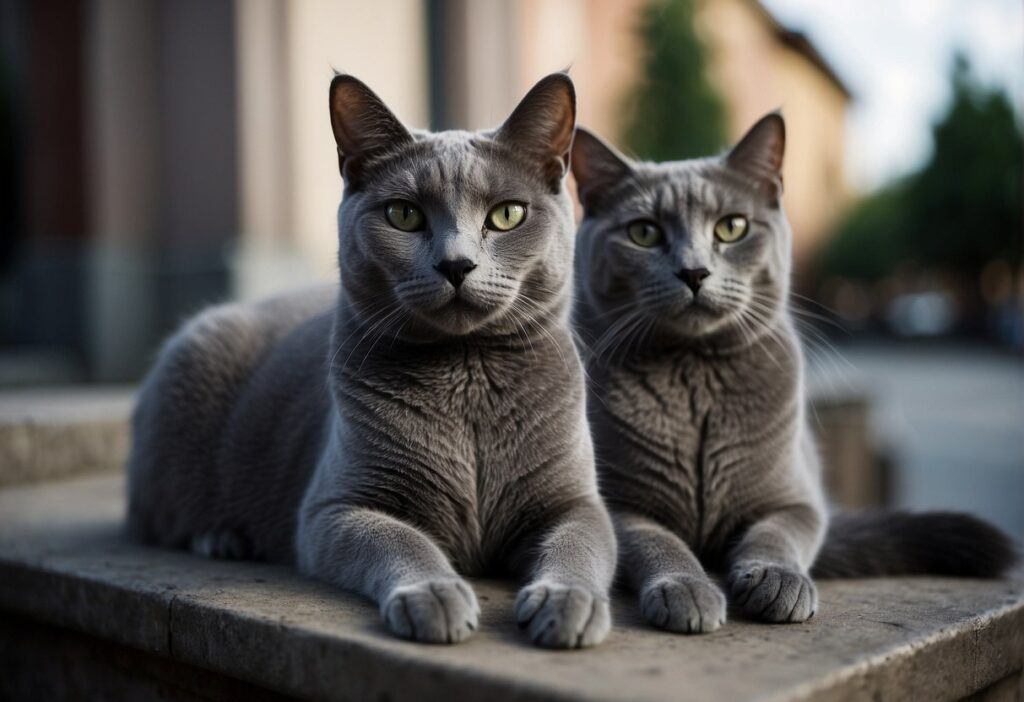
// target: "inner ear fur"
[[363, 125], [758, 155], [542, 125], [597, 167]]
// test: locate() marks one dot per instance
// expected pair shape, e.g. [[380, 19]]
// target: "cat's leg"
[[675, 592], [768, 568], [420, 595], [566, 603]]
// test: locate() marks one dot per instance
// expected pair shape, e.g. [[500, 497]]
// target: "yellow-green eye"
[[646, 234], [731, 228], [404, 215], [506, 216]]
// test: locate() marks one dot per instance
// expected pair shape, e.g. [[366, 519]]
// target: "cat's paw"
[[773, 593], [443, 610], [684, 604], [563, 616]]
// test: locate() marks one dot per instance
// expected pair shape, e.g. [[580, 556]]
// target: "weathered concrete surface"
[[53, 433], [63, 561]]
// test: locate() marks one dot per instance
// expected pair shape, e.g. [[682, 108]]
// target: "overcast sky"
[[895, 55]]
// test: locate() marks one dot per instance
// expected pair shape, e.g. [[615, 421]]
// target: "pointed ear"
[[759, 154], [597, 167], [363, 125], [542, 125]]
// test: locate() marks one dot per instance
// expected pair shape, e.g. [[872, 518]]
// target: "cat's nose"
[[455, 270], [693, 277]]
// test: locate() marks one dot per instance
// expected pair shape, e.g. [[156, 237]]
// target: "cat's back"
[[234, 378]]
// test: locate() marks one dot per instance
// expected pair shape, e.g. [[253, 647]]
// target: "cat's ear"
[[758, 155], [542, 125], [363, 125], [597, 167]]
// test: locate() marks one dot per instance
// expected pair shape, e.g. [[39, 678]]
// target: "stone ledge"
[[63, 432], [55, 433], [63, 562]]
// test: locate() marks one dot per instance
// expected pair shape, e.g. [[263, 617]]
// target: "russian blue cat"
[[704, 452], [423, 422]]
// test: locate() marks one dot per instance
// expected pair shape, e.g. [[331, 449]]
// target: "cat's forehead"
[[450, 159], [454, 164], [680, 186]]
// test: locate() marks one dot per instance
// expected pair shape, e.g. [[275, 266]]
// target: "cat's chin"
[[691, 328], [458, 316], [694, 321], [693, 318]]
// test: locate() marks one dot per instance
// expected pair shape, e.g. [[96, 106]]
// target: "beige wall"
[[752, 69], [756, 73], [290, 186], [594, 39]]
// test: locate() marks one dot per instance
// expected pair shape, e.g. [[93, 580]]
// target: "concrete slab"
[[64, 562], [53, 433]]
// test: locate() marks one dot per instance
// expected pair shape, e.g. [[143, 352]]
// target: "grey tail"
[[904, 543]]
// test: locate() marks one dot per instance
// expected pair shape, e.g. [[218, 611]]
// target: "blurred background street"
[[951, 414], [161, 155]]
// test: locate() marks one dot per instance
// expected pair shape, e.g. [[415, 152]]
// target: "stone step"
[[65, 566], [53, 433]]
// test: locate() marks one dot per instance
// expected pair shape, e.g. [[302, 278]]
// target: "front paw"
[[443, 610], [563, 616], [684, 604], [773, 593]]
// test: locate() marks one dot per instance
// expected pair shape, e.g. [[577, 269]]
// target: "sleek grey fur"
[[403, 431], [697, 405]]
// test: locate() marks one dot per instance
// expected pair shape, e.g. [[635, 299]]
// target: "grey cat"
[[704, 455], [423, 423]]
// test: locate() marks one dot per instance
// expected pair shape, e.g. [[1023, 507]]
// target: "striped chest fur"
[[465, 441], [699, 443]]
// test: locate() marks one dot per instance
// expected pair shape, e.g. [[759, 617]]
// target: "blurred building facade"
[[172, 153], [756, 64], [760, 65]]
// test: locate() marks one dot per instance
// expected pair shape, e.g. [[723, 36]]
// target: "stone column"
[[122, 131]]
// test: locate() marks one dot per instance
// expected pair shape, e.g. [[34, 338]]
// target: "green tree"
[[966, 201], [672, 113], [870, 242], [962, 209]]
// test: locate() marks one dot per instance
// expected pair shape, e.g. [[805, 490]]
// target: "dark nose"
[[693, 277], [455, 270]]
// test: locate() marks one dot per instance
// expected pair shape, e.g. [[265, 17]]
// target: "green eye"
[[646, 234], [731, 228], [404, 215], [506, 216]]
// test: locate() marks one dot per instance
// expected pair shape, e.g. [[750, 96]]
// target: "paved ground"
[[953, 414]]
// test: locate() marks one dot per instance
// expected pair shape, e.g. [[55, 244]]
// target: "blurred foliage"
[[869, 243], [961, 210], [673, 112]]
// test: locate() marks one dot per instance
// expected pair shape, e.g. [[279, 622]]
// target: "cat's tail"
[[904, 543]]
